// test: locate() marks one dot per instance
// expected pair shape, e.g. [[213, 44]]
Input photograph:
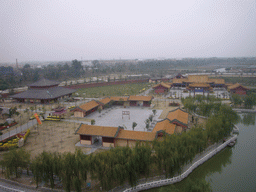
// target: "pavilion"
[[43, 91]]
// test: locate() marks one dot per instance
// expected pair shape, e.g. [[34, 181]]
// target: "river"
[[233, 169]]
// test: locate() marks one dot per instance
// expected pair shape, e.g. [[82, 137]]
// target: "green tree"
[[249, 101], [134, 124], [237, 100], [14, 161]]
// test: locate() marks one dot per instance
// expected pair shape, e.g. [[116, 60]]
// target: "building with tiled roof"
[[238, 89], [161, 88], [175, 122], [85, 109], [198, 83], [88, 134], [198, 79], [178, 117], [164, 126], [144, 101], [129, 138], [44, 83], [43, 91], [104, 102]]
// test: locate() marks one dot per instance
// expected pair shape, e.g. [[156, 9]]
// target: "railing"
[[173, 180]]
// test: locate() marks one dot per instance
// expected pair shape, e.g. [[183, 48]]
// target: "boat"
[[232, 143]]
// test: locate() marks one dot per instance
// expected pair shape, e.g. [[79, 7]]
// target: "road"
[[8, 186]]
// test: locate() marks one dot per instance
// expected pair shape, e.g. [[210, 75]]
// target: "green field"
[[112, 90]]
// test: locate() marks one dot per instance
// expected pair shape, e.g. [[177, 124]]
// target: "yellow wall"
[[108, 144], [78, 114], [131, 143], [85, 142], [120, 142]]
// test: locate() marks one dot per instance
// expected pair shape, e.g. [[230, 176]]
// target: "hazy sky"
[[42, 30]]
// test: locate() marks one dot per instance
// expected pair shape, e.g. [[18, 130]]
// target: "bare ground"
[[53, 137]]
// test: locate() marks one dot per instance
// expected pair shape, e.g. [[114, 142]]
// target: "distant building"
[[161, 88], [90, 107], [43, 91], [238, 89]]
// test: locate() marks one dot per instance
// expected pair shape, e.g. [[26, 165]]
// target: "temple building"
[[161, 88], [176, 122], [43, 91], [133, 100], [198, 80], [238, 89], [86, 109]]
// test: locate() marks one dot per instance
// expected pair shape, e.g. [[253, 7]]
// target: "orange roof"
[[178, 115], [197, 78], [119, 98], [97, 130], [105, 100], [166, 85], [236, 86], [140, 98], [164, 125], [88, 106], [136, 135], [199, 85], [178, 129], [218, 81], [178, 80]]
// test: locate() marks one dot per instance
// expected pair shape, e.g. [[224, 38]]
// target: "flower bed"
[[4, 126], [174, 104], [12, 142]]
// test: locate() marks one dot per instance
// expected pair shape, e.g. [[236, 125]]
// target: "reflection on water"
[[215, 164], [248, 119], [233, 169]]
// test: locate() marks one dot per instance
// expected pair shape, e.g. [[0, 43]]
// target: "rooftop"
[[44, 83], [88, 106], [136, 135], [165, 125], [178, 115], [49, 93], [97, 130], [140, 98]]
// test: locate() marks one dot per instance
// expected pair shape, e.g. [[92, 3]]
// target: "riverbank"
[[159, 181]]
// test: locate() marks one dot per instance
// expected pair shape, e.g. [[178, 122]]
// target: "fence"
[[179, 178]]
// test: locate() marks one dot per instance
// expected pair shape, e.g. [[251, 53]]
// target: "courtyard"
[[113, 117]]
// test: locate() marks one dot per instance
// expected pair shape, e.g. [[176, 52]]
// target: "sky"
[[49, 30]]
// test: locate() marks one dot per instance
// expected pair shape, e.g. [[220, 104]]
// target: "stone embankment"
[[186, 171]]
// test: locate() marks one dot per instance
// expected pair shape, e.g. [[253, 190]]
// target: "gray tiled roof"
[[50, 93], [44, 82]]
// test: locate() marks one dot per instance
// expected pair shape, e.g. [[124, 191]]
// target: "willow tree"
[[14, 161]]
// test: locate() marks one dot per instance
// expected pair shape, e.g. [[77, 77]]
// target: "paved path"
[[7, 185]]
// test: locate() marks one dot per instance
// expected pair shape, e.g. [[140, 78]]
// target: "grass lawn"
[[113, 90]]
